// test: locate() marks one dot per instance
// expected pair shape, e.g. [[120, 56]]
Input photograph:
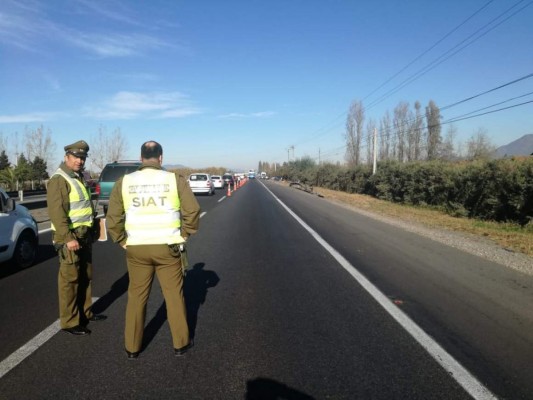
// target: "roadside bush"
[[499, 190]]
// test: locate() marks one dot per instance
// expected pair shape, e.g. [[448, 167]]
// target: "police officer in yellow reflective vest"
[[72, 216], [151, 213]]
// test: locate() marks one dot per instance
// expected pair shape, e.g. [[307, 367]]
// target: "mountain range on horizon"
[[520, 147]]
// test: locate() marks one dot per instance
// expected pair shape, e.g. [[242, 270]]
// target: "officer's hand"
[[73, 245]]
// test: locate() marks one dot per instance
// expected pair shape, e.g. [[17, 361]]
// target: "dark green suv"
[[109, 176]]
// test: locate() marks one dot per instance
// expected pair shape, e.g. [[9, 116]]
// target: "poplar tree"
[[354, 132], [434, 138]]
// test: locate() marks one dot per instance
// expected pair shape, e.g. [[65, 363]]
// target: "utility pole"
[[288, 153], [375, 150], [319, 156]]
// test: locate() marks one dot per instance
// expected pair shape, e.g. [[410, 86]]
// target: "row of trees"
[[36, 161], [26, 174], [409, 135]]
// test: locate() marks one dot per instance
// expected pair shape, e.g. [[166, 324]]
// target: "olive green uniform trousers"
[[74, 286], [143, 262]]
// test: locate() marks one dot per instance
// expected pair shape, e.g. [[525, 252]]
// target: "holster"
[[179, 250]]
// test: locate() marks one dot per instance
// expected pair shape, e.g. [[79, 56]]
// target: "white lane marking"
[[475, 388], [222, 198], [26, 350]]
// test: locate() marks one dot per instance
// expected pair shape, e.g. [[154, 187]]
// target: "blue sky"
[[230, 83]]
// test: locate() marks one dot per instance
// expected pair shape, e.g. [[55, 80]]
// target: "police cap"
[[79, 149]]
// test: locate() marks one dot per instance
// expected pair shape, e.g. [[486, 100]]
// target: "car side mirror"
[[10, 206]]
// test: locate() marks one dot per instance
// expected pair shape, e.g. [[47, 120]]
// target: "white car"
[[19, 235], [200, 182], [218, 182]]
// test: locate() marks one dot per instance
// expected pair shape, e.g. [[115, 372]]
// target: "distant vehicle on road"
[[19, 235], [200, 182], [228, 179], [264, 175], [218, 182]]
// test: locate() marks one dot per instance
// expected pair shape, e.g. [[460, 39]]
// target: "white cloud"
[[117, 45], [130, 105], [24, 29], [117, 12], [24, 118], [262, 114]]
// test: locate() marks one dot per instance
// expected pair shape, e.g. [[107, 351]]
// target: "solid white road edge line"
[[18, 356], [475, 388]]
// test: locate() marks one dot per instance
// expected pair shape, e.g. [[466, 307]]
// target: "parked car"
[[228, 179], [19, 235], [200, 182], [218, 182], [109, 175]]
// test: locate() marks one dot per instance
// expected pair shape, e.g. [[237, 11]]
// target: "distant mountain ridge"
[[520, 147], [174, 166]]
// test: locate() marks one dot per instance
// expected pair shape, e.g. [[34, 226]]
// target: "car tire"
[[25, 250]]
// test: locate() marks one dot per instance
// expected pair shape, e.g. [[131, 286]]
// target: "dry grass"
[[510, 236]]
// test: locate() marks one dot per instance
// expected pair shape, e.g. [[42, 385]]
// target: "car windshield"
[[112, 173], [198, 177], [215, 177]]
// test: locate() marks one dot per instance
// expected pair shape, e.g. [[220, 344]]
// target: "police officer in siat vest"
[[71, 213], [151, 214]]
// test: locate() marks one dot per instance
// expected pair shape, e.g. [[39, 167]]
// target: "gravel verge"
[[470, 243]]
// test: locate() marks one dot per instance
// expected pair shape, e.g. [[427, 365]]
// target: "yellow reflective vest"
[[80, 211], [152, 207]]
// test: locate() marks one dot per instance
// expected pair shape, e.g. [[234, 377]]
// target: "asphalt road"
[[275, 315]]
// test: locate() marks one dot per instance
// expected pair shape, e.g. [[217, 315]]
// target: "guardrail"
[[29, 193], [26, 193]]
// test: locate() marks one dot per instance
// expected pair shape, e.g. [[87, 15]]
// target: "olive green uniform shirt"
[[57, 198], [189, 208]]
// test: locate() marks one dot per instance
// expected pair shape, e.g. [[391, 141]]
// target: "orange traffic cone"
[[229, 190]]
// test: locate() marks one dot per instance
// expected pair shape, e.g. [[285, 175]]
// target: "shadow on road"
[[118, 288], [197, 282], [269, 389], [44, 253]]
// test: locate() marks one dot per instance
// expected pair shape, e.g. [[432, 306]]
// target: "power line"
[[494, 105], [439, 61], [429, 49], [487, 91], [488, 112], [446, 56], [327, 129]]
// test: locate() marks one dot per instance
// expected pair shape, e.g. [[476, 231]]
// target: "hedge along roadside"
[[496, 190]]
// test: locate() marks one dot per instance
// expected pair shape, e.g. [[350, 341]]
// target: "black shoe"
[[97, 317], [132, 356], [182, 350], [77, 330]]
